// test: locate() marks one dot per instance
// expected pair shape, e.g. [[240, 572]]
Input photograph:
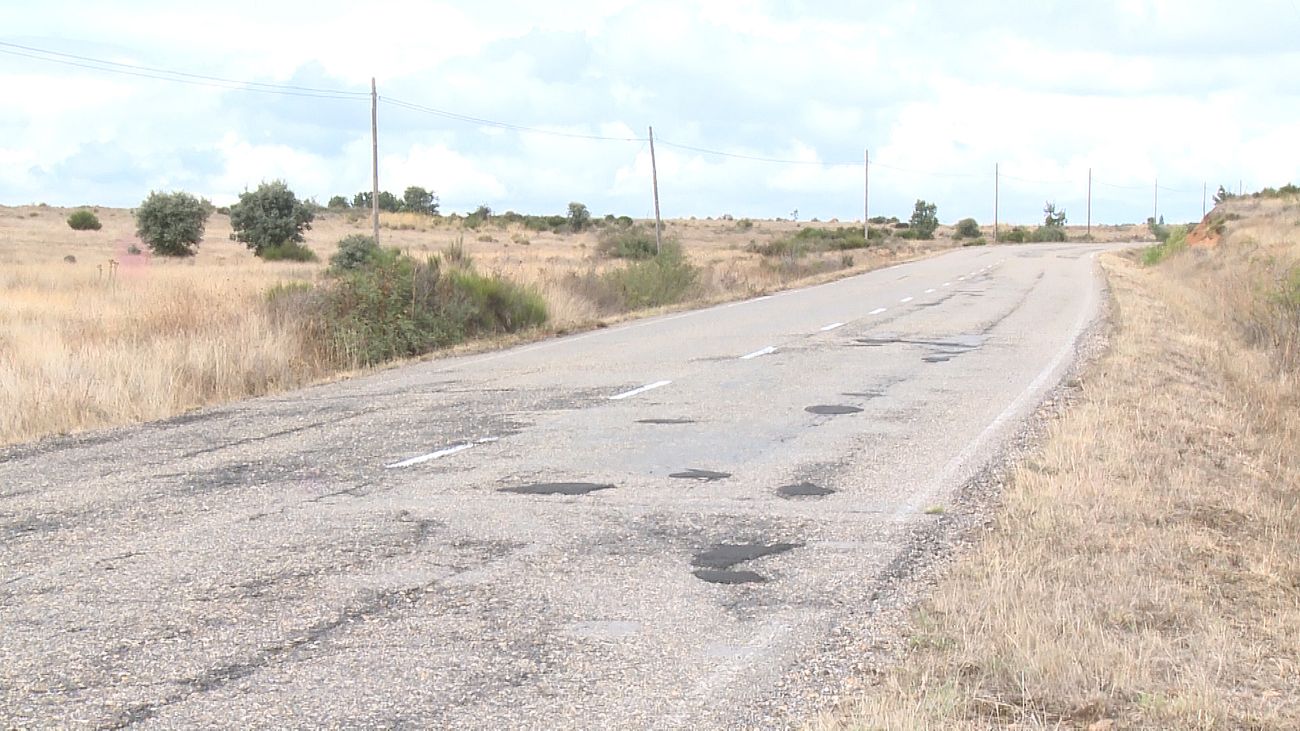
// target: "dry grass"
[[96, 343], [1144, 571]]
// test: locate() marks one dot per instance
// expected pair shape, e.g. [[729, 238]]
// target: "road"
[[657, 525]]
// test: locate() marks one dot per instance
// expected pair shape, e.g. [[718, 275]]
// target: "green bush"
[[975, 242], [967, 228], [354, 252], [1047, 234], [417, 200], [171, 224], [1017, 235], [1175, 242], [288, 251], [337, 203], [838, 239], [84, 220], [270, 216], [636, 243], [395, 306], [663, 280]]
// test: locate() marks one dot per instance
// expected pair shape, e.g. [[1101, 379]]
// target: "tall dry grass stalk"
[[1144, 571]]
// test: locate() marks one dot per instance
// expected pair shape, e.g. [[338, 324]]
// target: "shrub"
[[744, 224], [288, 251], [789, 247], [1047, 234], [967, 228], [396, 306], [1175, 242], [70, 259], [337, 203], [354, 251], [1017, 235], [975, 242], [925, 219], [839, 239], [270, 216], [171, 224], [637, 243], [84, 220], [663, 280]]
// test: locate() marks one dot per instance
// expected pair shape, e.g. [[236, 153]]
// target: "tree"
[[579, 216], [925, 219], [171, 224], [389, 202], [1051, 217], [1222, 195], [362, 199], [271, 216], [337, 203], [418, 200]]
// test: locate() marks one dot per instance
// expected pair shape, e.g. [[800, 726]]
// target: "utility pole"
[[866, 195], [374, 159], [996, 183], [654, 177], [1204, 188], [1155, 202], [1090, 203]]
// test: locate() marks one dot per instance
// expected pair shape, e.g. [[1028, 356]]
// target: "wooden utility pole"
[[1155, 202], [1089, 202], [995, 202], [1204, 188], [654, 178], [374, 159], [866, 196]]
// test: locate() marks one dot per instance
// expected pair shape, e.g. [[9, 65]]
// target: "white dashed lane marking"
[[906, 300], [832, 326], [762, 351], [877, 311], [640, 390]]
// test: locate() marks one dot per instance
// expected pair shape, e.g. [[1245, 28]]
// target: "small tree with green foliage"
[[84, 220], [271, 216], [418, 200], [354, 252], [362, 199], [925, 219], [1053, 218], [337, 203], [579, 216], [389, 202], [171, 224]]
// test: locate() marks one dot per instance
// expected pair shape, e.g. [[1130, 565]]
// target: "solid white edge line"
[[878, 310], [640, 390], [763, 351], [831, 326], [430, 456]]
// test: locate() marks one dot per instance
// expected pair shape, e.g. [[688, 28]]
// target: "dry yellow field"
[[1144, 568], [92, 335]]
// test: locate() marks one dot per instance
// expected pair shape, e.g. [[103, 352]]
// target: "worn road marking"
[[877, 311], [906, 300], [930, 290], [642, 389], [947, 284], [832, 326], [764, 351], [433, 455]]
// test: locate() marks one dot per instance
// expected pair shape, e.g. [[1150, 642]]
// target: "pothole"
[[833, 409], [558, 488], [701, 475], [714, 576], [726, 555], [803, 489]]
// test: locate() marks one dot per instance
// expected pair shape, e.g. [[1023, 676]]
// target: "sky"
[[1158, 98]]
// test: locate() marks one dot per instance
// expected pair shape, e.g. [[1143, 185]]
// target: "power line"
[[502, 125], [181, 77]]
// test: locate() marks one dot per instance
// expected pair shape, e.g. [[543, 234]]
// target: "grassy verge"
[[1144, 570]]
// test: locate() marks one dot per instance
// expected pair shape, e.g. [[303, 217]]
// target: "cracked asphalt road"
[[651, 526]]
